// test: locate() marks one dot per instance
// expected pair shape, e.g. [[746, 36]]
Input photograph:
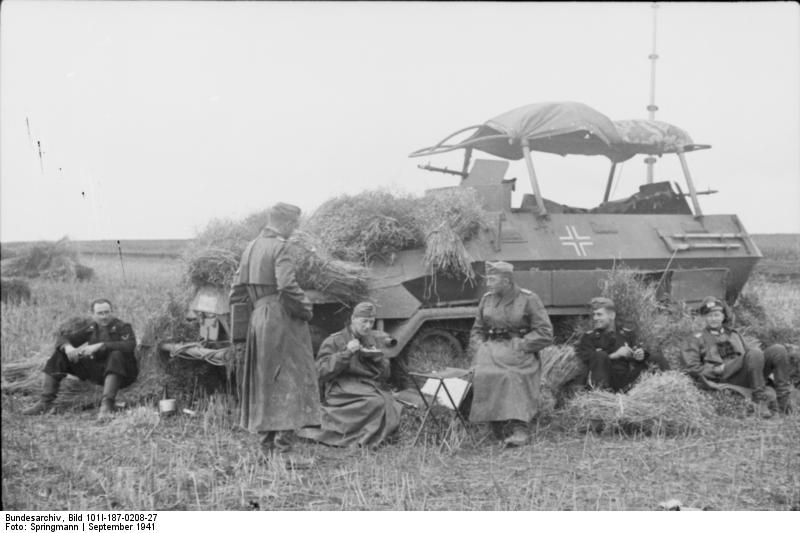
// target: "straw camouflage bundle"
[[375, 225], [14, 291], [49, 260], [667, 403]]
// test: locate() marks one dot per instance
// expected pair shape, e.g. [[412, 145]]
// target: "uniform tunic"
[[745, 366], [279, 389], [115, 357], [507, 372], [358, 407], [594, 348]]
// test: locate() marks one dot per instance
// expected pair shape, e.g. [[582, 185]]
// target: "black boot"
[[110, 388], [49, 393]]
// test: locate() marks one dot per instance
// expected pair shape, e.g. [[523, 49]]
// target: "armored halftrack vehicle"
[[562, 253]]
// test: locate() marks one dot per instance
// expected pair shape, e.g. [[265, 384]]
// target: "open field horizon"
[[69, 461]]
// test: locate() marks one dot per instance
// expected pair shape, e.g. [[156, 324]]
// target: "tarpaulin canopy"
[[653, 137], [556, 127]]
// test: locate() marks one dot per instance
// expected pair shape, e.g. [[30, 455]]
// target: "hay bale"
[[560, 366], [49, 260], [14, 291], [667, 403]]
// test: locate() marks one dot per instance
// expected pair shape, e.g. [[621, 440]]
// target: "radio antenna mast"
[[652, 107]]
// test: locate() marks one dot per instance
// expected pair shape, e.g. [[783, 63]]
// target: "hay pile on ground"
[[375, 225], [48, 260], [667, 403], [14, 291]]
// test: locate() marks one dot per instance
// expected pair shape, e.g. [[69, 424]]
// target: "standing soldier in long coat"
[[510, 330], [279, 387]]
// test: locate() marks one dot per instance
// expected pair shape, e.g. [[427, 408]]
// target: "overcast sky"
[[155, 117]]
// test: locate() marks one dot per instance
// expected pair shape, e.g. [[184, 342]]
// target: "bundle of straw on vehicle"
[[445, 253], [50, 260], [14, 291], [375, 225], [668, 403], [316, 270], [211, 266], [367, 226]]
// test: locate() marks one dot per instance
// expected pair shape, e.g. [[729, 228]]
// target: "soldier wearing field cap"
[[613, 354], [358, 408], [279, 388], [510, 329], [719, 354]]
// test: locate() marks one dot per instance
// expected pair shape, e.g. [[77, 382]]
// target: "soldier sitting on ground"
[[613, 353], [358, 408], [719, 354], [101, 352]]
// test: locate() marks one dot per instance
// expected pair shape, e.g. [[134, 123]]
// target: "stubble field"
[[68, 461]]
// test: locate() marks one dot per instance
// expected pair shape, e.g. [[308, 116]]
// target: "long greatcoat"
[[507, 372], [358, 408], [279, 388]]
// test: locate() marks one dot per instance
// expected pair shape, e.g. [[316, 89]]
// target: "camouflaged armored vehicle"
[[561, 252]]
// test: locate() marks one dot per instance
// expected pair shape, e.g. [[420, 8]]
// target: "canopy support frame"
[[467, 158], [526, 150], [698, 212], [610, 181]]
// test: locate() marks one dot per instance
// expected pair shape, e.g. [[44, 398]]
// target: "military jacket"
[[605, 342], [519, 313], [334, 361], [708, 348], [266, 267], [116, 336]]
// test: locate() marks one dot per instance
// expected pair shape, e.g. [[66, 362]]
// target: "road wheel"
[[435, 349]]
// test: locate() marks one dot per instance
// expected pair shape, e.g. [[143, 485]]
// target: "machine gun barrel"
[[707, 191], [444, 170]]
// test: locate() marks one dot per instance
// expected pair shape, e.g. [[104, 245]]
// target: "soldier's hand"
[[353, 346], [625, 351], [638, 354], [73, 354], [91, 349], [719, 369]]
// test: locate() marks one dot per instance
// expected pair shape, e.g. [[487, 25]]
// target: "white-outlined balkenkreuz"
[[576, 241]]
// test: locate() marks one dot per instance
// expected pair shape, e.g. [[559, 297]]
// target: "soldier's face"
[[497, 284], [714, 319], [361, 325], [603, 318], [102, 313]]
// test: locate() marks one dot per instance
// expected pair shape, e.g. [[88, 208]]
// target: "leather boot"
[[785, 404], [49, 393], [110, 389], [519, 435], [762, 410]]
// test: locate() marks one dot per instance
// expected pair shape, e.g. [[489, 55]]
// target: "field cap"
[[499, 267], [603, 303], [364, 310], [711, 304], [284, 212]]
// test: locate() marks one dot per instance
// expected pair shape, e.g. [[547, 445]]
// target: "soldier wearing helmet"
[[719, 354]]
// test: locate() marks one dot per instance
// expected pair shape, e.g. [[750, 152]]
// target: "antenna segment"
[[652, 107]]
